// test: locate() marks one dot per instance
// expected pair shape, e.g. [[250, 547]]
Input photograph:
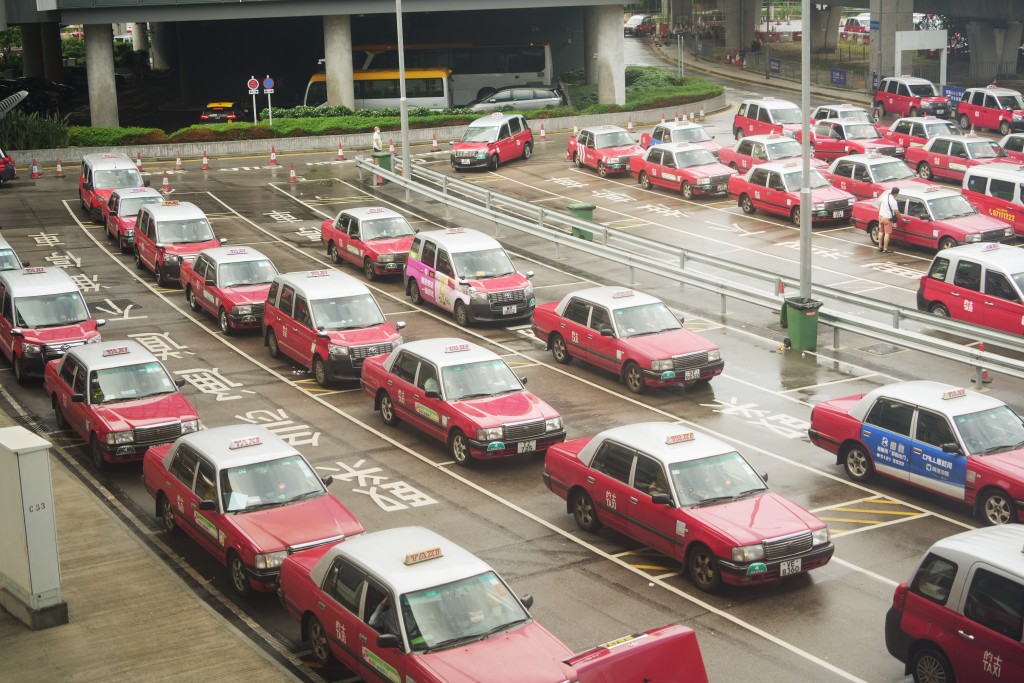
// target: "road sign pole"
[[254, 88]]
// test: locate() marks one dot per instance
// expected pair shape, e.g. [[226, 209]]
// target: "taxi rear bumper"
[[486, 312]]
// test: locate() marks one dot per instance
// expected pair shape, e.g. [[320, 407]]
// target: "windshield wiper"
[[304, 496], [744, 494], [502, 627], [452, 642], [709, 501], [1000, 448], [478, 395], [59, 324], [262, 506]]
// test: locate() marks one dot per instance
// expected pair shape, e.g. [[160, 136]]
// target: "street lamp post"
[[805, 188], [403, 103]]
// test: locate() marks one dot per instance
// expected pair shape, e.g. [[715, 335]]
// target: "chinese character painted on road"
[[282, 216], [782, 424], [567, 182], [310, 232], [278, 422], [614, 197], [389, 496], [161, 345], [210, 381], [65, 260], [47, 239], [115, 310], [87, 284]]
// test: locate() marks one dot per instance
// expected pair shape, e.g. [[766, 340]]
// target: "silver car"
[[520, 98]]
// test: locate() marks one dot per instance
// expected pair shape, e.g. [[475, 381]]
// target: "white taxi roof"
[[868, 159], [370, 212], [495, 119], [922, 119], [1003, 256], [612, 298], [233, 254], [927, 192], [37, 281], [174, 211], [323, 284], [664, 441], [953, 137], [108, 161], [680, 146], [111, 354], [1000, 546], [603, 129], [928, 394], [235, 445], [460, 240], [136, 192], [383, 554], [770, 103], [679, 125], [770, 139], [995, 90], [841, 107], [1003, 171], [909, 80], [447, 351], [784, 166]]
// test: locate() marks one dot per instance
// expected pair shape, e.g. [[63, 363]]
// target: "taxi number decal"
[[339, 631], [428, 413], [968, 305], [181, 505], [669, 176], [380, 666], [575, 340], [609, 500]]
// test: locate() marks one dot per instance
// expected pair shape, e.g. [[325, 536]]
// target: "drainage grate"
[[881, 349]]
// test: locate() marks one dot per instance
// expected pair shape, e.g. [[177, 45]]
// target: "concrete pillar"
[[824, 27], [338, 56], [732, 20], [99, 58], [1008, 40], [53, 55], [590, 45], [32, 51], [163, 41], [892, 16], [140, 37], [609, 46]]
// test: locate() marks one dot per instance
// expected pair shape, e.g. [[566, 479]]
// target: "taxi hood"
[[65, 333], [375, 334], [247, 294], [498, 284], [935, 99], [190, 248], [668, 344], [751, 520], [710, 170], [623, 150], [1009, 464], [476, 144], [391, 245], [669, 654], [306, 521], [979, 222], [146, 412], [494, 411], [828, 193], [529, 654]]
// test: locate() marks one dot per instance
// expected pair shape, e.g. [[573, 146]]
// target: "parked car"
[[752, 150], [8, 171], [606, 149], [833, 138], [373, 238], [994, 108], [639, 25], [910, 96], [998, 191], [522, 98], [869, 175], [683, 167], [949, 156], [916, 131], [492, 140], [681, 131], [1013, 145], [775, 188], [767, 115]]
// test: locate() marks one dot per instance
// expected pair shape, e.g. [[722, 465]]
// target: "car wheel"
[[190, 297], [559, 350], [413, 290], [332, 251], [601, 170], [96, 216], [318, 642], [576, 160], [795, 216], [58, 414], [493, 163], [458, 447], [703, 569], [747, 204], [1004, 127], [929, 665], [19, 370], [237, 577], [527, 150], [225, 324], [687, 190], [585, 512], [320, 371], [461, 314], [946, 243], [874, 232], [96, 454], [645, 181], [997, 508], [110, 235], [138, 261], [387, 410], [733, 166], [159, 272], [880, 108], [739, 134], [272, 348], [965, 122], [857, 463], [633, 376], [167, 514], [939, 310], [81, 203], [924, 170], [368, 270]]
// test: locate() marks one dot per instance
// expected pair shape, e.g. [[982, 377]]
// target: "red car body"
[[161, 246], [752, 150], [681, 131], [994, 108], [1013, 145], [682, 167], [8, 171], [102, 173], [948, 157], [765, 116], [375, 239], [868, 175], [915, 131], [122, 209], [229, 283], [833, 138], [910, 96], [764, 188], [606, 149]]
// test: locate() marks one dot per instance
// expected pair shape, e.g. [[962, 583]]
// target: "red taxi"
[[491, 140], [407, 604], [949, 156], [99, 175], [683, 167], [372, 238], [326, 321], [960, 444], [121, 210], [464, 395], [845, 112], [681, 131], [767, 115], [994, 108], [869, 175], [760, 149], [119, 398], [168, 234], [834, 138], [910, 96], [1013, 145], [998, 191], [633, 335], [916, 131], [691, 497], [8, 171], [229, 283], [775, 188], [604, 148], [8, 258], [247, 497]]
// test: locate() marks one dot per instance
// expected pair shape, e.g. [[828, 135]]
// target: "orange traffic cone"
[[60, 171], [292, 178], [433, 142], [728, 56], [165, 186], [663, 117], [702, 115], [985, 379], [206, 162], [341, 152], [391, 144], [629, 124], [273, 156], [177, 161], [36, 173], [575, 128], [677, 117], [138, 160], [543, 134]]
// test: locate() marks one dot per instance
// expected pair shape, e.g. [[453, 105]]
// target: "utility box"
[[29, 563]]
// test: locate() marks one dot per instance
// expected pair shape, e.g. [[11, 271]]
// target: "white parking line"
[[833, 382]]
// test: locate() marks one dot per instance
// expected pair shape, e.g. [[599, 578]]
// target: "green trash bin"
[[382, 159], [585, 211], [802, 317]]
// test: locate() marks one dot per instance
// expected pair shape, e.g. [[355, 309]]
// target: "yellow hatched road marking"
[[878, 512], [849, 521]]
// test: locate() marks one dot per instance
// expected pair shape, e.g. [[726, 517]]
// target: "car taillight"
[[899, 598], [231, 117], [204, 117]]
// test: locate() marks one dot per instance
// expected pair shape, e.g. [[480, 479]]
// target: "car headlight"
[[553, 425], [270, 560], [975, 237], [820, 536], [849, 202], [337, 350], [1008, 232], [397, 342], [661, 365], [129, 232], [99, 337], [1018, 117], [386, 258], [715, 354], [748, 553], [189, 426], [478, 297], [31, 349], [789, 133], [490, 434], [118, 438], [820, 206], [482, 154], [171, 258], [528, 291], [242, 310]]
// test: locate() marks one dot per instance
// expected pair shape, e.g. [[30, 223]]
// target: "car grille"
[[51, 351], [359, 353], [523, 430], [313, 544], [787, 546], [151, 436], [890, 151], [689, 361], [512, 296], [992, 235], [718, 180], [257, 309], [837, 205], [465, 152]]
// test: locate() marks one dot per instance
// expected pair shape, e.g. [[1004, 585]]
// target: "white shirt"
[[887, 205]]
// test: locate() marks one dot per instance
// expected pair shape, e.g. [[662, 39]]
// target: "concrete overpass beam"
[[824, 28], [608, 55], [53, 55], [742, 17], [1008, 39], [892, 16], [31, 51], [338, 55], [99, 56]]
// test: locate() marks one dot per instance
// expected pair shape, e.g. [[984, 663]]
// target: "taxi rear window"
[[934, 579]]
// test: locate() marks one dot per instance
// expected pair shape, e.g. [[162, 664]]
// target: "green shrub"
[[93, 136], [19, 130]]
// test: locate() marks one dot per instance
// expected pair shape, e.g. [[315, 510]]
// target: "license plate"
[[509, 310], [720, 188], [789, 567], [691, 374], [465, 162], [837, 214], [391, 266], [531, 446], [940, 111]]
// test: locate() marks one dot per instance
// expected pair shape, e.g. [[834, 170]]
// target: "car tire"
[[576, 160], [601, 170], [320, 372], [138, 261], [224, 323], [794, 216], [703, 568], [493, 163], [237, 577], [190, 297], [997, 508], [387, 410], [161, 279], [19, 370], [559, 351], [461, 314], [58, 414], [1004, 127], [874, 232], [163, 503], [964, 121], [413, 290], [585, 512], [946, 242], [687, 190], [272, 346], [458, 448], [857, 463], [332, 251], [924, 171], [739, 134], [747, 204], [368, 270], [318, 644], [96, 454], [929, 665], [939, 310], [633, 378], [645, 181], [527, 150]]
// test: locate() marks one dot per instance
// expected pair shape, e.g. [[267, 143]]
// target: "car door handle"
[[865, 433], [390, 383], [632, 500], [989, 303], [916, 451], [955, 293], [415, 397], [362, 637], [561, 326], [590, 336], [193, 506], [590, 480], [965, 636], [320, 605]]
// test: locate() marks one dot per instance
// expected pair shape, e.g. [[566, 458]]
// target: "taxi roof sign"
[[172, 202], [678, 438], [991, 246], [455, 348], [237, 250], [318, 273], [375, 209], [954, 393], [454, 231], [423, 556], [35, 270], [244, 443], [624, 293], [933, 188], [115, 351]]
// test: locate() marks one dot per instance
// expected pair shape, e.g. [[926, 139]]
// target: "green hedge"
[[19, 130]]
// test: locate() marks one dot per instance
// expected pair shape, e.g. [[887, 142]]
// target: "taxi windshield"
[[985, 149], [480, 134], [483, 378], [1010, 102], [996, 430], [694, 157], [695, 134], [475, 265], [8, 260], [637, 321], [243, 273], [941, 128], [272, 482], [718, 478], [113, 180], [784, 149], [922, 89], [184, 231], [954, 206], [129, 382], [346, 312], [891, 170], [460, 612], [129, 207], [50, 310], [385, 228], [793, 179], [855, 115], [862, 131], [786, 115], [618, 138]]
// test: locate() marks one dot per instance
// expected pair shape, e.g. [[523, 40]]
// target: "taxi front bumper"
[[738, 574], [244, 321], [343, 368], [487, 312], [657, 378], [171, 271], [504, 449], [470, 162]]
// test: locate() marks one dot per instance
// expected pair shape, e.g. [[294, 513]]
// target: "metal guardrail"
[[608, 243]]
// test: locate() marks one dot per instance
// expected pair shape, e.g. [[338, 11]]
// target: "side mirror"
[[328, 480], [682, 321], [661, 499], [952, 448], [86, 185], [78, 398], [16, 332], [179, 383], [388, 640], [100, 322], [25, 264], [222, 240], [431, 394], [145, 183], [527, 601], [209, 282], [607, 332], [400, 325], [529, 274], [522, 380], [208, 505], [451, 143], [764, 476]]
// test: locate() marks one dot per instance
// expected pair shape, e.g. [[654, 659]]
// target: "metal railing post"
[[896, 319], [447, 204], [835, 337], [725, 298]]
